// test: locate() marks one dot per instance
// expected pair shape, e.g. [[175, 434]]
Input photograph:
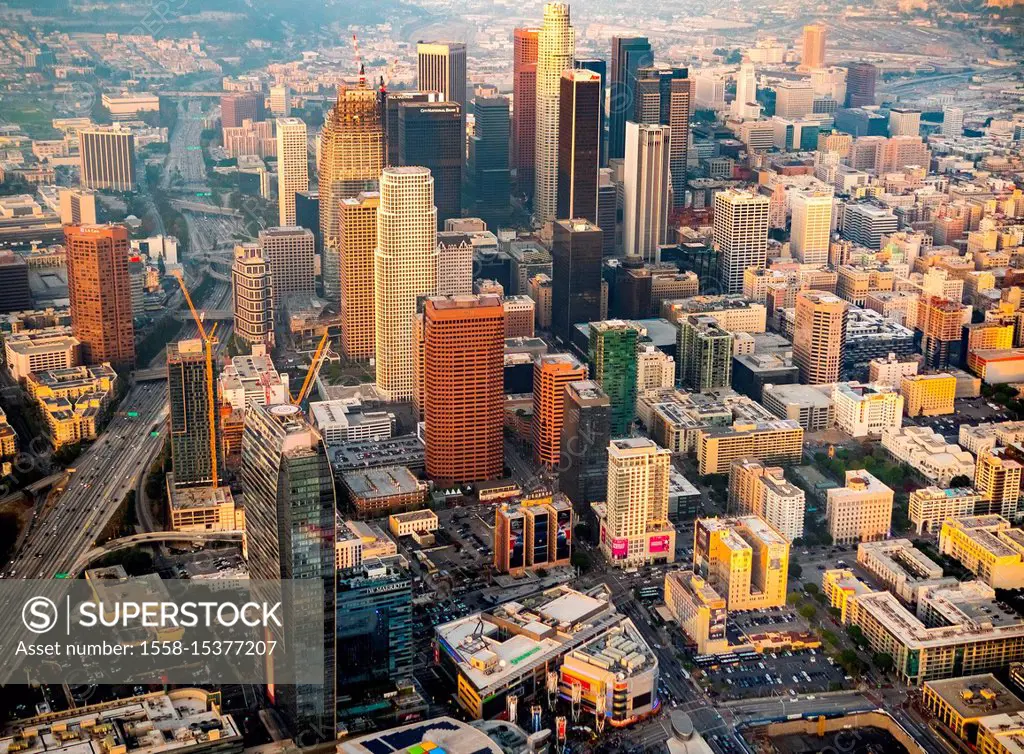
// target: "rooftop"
[[442, 735], [976, 695], [382, 482]]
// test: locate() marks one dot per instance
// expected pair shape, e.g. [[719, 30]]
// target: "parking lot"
[[782, 673]]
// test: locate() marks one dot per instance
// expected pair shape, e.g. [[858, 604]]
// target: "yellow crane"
[[208, 343], [314, 368]]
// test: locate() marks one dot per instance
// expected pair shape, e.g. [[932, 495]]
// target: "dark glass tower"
[[195, 451], [583, 459], [430, 135], [600, 67], [664, 96], [489, 160], [628, 54], [579, 144], [576, 275]]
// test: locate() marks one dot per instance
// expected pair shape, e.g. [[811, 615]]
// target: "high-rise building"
[[15, 290], [551, 374], [576, 276], [819, 336], [866, 223], [393, 102], [647, 184], [939, 324], [430, 135], [236, 107], [290, 526], [740, 233], [608, 210], [280, 101], [454, 263], [997, 479], [524, 112], [77, 206], [556, 44], [579, 144], [705, 353], [463, 395], [107, 158], [745, 106], [488, 165], [904, 121], [583, 451], [600, 67], [664, 95], [441, 67], [292, 167], [794, 100], [307, 215], [404, 268], [252, 295], [612, 357], [811, 229], [762, 491], [952, 121], [350, 160], [635, 529], [356, 244], [628, 54], [197, 443], [289, 252], [860, 84], [744, 559], [100, 293], [814, 46], [861, 511]]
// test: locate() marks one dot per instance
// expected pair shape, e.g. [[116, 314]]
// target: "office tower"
[[289, 252], [15, 291], [77, 206], [600, 67], [997, 479], [819, 337], [745, 106], [524, 111], [904, 122], [744, 559], [454, 263], [292, 167], [556, 44], [794, 99], [866, 223], [290, 526], [576, 253], [646, 186], [356, 243], [583, 451], [100, 293], [811, 229], [107, 158], [441, 67], [239, 106], [489, 160], [705, 353], [252, 295], [635, 529], [952, 121], [551, 374], [814, 46], [740, 234], [628, 54], [280, 101], [197, 448], [607, 210], [404, 268], [860, 84], [664, 95], [579, 145], [612, 357], [307, 215], [463, 396], [938, 331], [861, 511], [350, 160], [430, 135], [393, 102]]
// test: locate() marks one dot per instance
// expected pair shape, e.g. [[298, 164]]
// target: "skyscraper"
[[814, 46], [612, 356], [576, 253], [819, 337], [811, 228], [551, 374], [197, 449], [583, 452], [350, 160], [77, 206], [404, 267], [556, 44], [524, 113], [904, 121], [238, 106], [463, 396], [280, 101], [489, 160], [393, 102], [600, 67], [289, 252], [252, 295], [454, 263], [579, 145], [292, 167], [860, 84], [441, 67], [431, 135], [952, 121], [745, 105], [740, 233], [705, 353], [664, 95], [628, 54], [356, 244], [107, 158], [646, 186], [100, 293], [290, 527]]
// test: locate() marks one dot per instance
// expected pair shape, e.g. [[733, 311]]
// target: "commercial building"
[[15, 291], [699, 610], [819, 337], [634, 521], [289, 252], [988, 547], [346, 420], [236, 107], [743, 559], [811, 229], [373, 493], [524, 114], [252, 295], [861, 511], [974, 707], [576, 271], [357, 239], [441, 67], [929, 394], [997, 478], [762, 491], [77, 206], [551, 374], [860, 84], [292, 167], [807, 405], [197, 442], [534, 532], [107, 158], [581, 105], [929, 507], [705, 353], [813, 55], [928, 453], [866, 410], [752, 373], [200, 509], [556, 44], [40, 351], [100, 293], [583, 451], [664, 95], [488, 165], [938, 326], [733, 312], [612, 357], [647, 182], [454, 263], [431, 135], [902, 568], [412, 522], [776, 442], [628, 55], [740, 235]]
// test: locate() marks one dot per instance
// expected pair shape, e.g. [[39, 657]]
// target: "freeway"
[[65, 530]]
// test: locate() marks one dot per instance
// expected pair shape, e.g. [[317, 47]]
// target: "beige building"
[[776, 442], [292, 167], [861, 511], [891, 370], [200, 509], [988, 547], [930, 506], [740, 234], [744, 559], [819, 336], [289, 252], [252, 294], [902, 568], [699, 610], [412, 522], [73, 400], [866, 410], [811, 228], [762, 491], [556, 45], [40, 351], [997, 479], [357, 240]]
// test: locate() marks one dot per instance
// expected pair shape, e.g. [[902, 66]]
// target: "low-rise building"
[[866, 410], [412, 522], [253, 378], [535, 532], [805, 404], [40, 350], [967, 704], [357, 541], [73, 400], [929, 506], [383, 491], [902, 568], [347, 420], [928, 394], [927, 452], [861, 511], [988, 547], [699, 610], [890, 370], [200, 509], [777, 442]]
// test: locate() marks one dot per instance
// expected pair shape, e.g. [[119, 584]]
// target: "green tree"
[[856, 635], [883, 661], [811, 588], [795, 570], [961, 480], [807, 610]]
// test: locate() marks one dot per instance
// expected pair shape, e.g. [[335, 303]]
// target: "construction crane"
[[314, 368], [208, 342]]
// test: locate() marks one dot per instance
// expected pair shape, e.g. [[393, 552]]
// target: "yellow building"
[[1001, 734], [744, 559], [699, 610], [773, 442], [72, 400], [411, 522], [987, 547], [930, 506], [962, 703], [8, 437], [199, 509], [839, 585], [928, 394], [997, 479]]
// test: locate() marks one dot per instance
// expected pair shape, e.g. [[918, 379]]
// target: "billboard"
[[540, 538], [620, 548], [563, 540], [515, 542], [658, 543]]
